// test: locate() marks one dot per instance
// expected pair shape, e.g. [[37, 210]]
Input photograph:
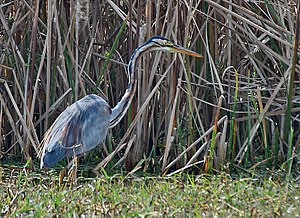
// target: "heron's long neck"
[[121, 108]]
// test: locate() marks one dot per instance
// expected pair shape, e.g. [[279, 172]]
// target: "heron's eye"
[[168, 43]]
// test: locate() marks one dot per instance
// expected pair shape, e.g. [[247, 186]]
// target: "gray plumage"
[[78, 129]]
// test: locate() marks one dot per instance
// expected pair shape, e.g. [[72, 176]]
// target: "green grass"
[[26, 194]]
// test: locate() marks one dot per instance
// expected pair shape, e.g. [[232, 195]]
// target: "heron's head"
[[159, 43]]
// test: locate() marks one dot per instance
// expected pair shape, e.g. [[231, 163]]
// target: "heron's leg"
[[71, 168], [62, 174], [64, 171], [74, 167]]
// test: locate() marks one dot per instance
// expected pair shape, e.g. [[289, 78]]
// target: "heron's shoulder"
[[93, 102], [94, 98]]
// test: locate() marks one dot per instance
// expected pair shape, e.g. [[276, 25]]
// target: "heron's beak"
[[179, 49]]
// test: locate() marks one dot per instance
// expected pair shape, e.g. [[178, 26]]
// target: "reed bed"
[[234, 109]]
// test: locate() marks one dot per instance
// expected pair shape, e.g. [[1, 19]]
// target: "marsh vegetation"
[[236, 111]]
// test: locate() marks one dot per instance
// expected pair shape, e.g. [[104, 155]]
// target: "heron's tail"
[[49, 159]]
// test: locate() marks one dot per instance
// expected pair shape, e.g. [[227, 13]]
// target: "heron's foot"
[[62, 174], [72, 171]]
